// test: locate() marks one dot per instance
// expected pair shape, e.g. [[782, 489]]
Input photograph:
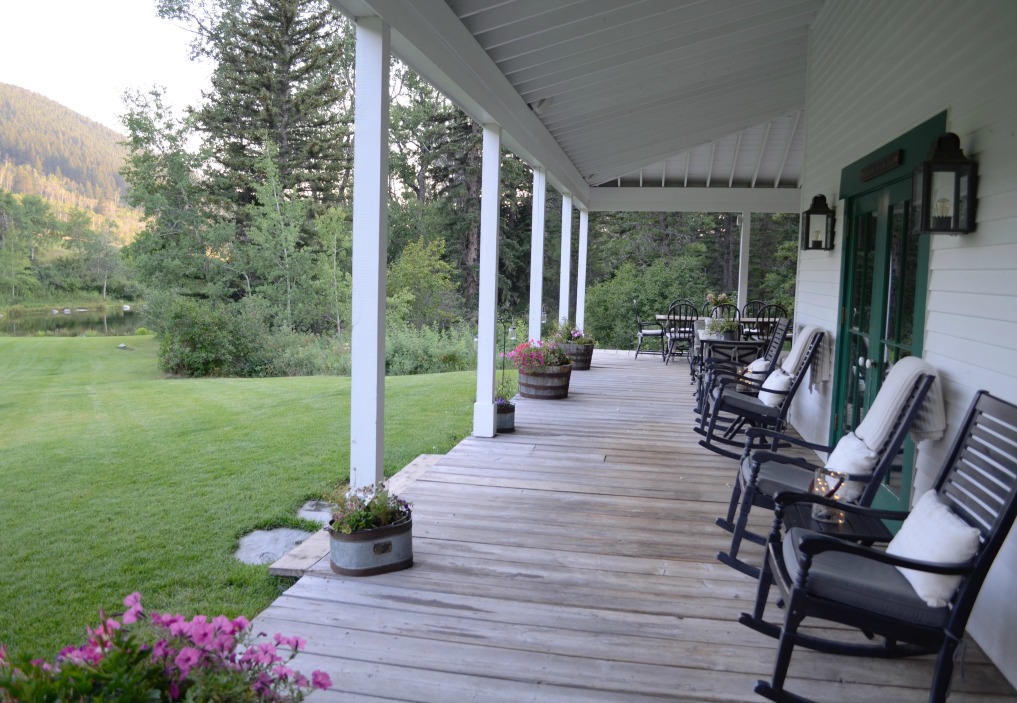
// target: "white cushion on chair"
[[776, 381], [933, 533], [851, 456]]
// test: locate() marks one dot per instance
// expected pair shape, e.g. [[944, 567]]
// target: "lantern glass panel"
[[944, 199], [817, 231]]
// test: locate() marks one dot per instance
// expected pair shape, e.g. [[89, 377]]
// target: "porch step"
[[301, 558]]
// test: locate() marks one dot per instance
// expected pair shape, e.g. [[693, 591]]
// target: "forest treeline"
[[245, 254]]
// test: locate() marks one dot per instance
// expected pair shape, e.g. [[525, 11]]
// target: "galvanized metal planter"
[[505, 418], [548, 383], [375, 551], [580, 354]]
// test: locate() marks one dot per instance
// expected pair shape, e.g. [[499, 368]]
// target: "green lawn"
[[115, 479]]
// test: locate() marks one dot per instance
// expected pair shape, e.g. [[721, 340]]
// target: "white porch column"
[[490, 188], [743, 261], [566, 258], [584, 235], [537, 252], [370, 242]]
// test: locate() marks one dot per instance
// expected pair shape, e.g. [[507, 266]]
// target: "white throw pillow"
[[776, 381], [933, 533], [851, 456]]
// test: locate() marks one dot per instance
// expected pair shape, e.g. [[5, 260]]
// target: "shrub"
[[410, 350], [202, 338]]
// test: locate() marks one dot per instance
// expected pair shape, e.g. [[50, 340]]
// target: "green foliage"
[[421, 283], [366, 508], [610, 311], [411, 350], [311, 355], [203, 338]]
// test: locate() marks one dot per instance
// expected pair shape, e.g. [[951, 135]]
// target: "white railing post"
[[743, 260]]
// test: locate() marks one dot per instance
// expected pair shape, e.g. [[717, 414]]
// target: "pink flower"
[[263, 653], [240, 624], [186, 659], [321, 680], [282, 672], [133, 600], [162, 650], [202, 633], [295, 643]]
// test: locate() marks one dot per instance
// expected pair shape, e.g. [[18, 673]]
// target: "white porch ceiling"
[[689, 97]]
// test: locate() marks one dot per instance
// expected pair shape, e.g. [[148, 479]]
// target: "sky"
[[85, 53]]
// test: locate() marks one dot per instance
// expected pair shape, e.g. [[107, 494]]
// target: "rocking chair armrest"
[[751, 384], [762, 456], [813, 544], [782, 500], [761, 432]]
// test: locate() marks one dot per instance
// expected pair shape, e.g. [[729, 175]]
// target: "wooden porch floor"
[[573, 561]]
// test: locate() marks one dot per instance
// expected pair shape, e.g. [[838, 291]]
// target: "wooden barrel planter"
[[550, 383], [375, 551], [580, 354]]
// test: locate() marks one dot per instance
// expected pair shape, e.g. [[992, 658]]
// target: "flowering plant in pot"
[[717, 299], [576, 344], [505, 408], [544, 370], [722, 327], [370, 532], [164, 658]]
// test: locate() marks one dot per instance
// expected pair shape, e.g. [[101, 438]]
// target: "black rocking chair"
[[835, 580], [763, 474], [728, 360], [733, 412]]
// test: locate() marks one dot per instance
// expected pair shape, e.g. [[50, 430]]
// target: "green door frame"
[[890, 165]]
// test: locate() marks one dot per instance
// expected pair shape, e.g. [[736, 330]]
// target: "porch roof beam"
[[695, 199]]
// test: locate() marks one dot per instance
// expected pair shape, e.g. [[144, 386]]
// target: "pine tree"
[[278, 78]]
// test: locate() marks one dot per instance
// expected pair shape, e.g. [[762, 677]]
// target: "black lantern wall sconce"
[[943, 190], [817, 225]]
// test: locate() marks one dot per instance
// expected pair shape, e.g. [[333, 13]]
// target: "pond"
[[70, 322]]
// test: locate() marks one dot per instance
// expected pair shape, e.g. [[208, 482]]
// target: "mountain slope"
[[51, 151]]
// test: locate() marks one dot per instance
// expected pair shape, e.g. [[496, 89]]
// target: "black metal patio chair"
[[732, 412], [918, 594], [649, 329], [731, 359], [758, 324], [763, 474], [679, 329]]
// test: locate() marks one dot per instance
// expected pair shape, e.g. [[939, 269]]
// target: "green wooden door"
[[882, 312]]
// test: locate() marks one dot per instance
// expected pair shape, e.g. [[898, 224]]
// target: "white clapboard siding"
[[876, 70]]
